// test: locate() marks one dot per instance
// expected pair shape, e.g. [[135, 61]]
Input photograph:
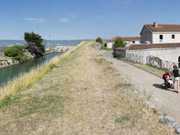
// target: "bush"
[[119, 43], [13, 51], [99, 40], [21, 58]]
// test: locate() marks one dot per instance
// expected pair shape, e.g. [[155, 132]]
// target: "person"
[[175, 72]]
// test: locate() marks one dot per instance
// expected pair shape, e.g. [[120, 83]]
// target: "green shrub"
[[119, 43], [21, 58], [13, 51]]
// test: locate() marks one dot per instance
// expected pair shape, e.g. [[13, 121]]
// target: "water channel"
[[11, 72]]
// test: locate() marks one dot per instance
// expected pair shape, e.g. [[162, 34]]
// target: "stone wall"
[[9, 62], [160, 57], [63, 48], [119, 53]]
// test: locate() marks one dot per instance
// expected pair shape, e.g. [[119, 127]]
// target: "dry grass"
[[82, 95]]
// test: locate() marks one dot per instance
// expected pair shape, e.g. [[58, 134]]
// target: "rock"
[[34, 50], [177, 130], [149, 104], [175, 125], [170, 125], [167, 119]]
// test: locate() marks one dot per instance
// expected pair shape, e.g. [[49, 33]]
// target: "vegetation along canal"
[[8, 73]]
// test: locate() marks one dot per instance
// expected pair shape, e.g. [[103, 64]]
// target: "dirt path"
[[168, 100], [82, 96]]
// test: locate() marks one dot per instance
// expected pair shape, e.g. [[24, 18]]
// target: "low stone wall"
[[5, 63], [119, 53], [160, 57], [63, 48]]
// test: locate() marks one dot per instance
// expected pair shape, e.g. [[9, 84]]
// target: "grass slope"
[[81, 95]]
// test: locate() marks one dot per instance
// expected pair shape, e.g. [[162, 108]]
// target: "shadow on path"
[[161, 86]]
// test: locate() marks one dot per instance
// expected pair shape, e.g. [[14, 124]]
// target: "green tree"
[[35, 39], [119, 43], [99, 40]]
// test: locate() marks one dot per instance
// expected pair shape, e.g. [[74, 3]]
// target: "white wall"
[[167, 54], [167, 37], [131, 42], [110, 44]]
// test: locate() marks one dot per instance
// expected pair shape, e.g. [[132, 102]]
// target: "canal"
[[11, 72]]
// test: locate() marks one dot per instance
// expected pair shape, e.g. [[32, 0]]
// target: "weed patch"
[[99, 61], [9, 100], [122, 119], [47, 104]]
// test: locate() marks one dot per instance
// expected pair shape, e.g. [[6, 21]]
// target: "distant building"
[[1, 51], [127, 41], [160, 33]]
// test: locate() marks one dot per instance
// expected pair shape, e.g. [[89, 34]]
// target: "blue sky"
[[83, 19]]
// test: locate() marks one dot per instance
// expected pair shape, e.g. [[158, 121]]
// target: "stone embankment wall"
[[63, 48], [9, 62]]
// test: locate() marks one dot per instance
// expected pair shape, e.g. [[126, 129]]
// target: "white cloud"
[[35, 20], [67, 19], [64, 20]]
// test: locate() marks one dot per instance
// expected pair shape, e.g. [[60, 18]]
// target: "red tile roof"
[[130, 38], [113, 39], [124, 39], [164, 27], [150, 46]]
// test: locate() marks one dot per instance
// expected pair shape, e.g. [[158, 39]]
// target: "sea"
[[47, 43]]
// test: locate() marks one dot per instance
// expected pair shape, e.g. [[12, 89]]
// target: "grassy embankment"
[[81, 95], [32, 77]]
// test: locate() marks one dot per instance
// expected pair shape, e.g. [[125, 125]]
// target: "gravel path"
[[167, 100]]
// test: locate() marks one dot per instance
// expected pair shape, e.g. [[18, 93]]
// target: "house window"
[[160, 38], [173, 36], [133, 42]]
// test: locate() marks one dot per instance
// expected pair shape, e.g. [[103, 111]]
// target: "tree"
[[119, 43], [99, 40], [34, 39]]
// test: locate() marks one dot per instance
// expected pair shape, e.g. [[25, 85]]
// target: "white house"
[[160, 33], [127, 41]]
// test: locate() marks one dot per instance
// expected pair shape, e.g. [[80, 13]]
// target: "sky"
[[83, 19]]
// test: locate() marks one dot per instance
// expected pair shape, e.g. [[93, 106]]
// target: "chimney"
[[155, 24]]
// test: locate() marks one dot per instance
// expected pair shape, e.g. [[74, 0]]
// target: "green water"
[[9, 73]]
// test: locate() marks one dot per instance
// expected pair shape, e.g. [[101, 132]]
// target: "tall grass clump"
[[33, 76]]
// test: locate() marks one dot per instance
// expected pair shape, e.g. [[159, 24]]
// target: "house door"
[[179, 62]]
